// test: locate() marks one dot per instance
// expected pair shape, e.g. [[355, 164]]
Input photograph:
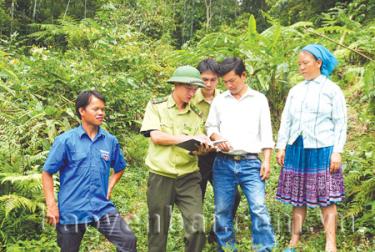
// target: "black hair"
[[208, 65], [232, 64], [84, 99]]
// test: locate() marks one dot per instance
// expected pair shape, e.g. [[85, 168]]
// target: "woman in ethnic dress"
[[311, 139]]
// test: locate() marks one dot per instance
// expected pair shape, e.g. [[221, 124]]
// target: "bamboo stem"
[[85, 8], [67, 8], [340, 44]]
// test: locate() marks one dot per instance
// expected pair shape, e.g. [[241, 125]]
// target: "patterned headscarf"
[[329, 61]]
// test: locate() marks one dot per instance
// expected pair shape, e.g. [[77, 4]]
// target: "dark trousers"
[[112, 226], [162, 194], [205, 164]]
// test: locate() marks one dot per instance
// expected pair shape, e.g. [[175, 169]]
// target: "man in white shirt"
[[203, 98], [241, 116]]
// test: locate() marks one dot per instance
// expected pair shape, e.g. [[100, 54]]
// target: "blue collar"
[[82, 132]]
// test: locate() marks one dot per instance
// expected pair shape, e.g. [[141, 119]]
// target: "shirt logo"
[[104, 154]]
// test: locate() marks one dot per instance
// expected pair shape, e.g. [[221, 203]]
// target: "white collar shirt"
[[316, 110], [244, 122]]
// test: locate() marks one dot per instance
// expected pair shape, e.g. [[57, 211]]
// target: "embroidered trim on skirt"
[[305, 179]]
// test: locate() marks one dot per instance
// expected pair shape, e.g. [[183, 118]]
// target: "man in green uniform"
[[209, 71], [174, 177]]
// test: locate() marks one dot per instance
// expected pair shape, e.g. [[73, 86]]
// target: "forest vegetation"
[[51, 50]]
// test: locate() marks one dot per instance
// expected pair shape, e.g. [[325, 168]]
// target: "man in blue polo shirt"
[[83, 156]]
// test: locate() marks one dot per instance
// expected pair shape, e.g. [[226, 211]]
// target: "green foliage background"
[[51, 51]]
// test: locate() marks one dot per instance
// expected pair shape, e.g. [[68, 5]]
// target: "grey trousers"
[[112, 226]]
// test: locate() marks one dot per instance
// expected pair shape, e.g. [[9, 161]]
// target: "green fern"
[[13, 202]]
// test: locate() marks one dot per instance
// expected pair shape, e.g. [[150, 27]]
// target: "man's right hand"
[[280, 156], [205, 146], [53, 216], [224, 146]]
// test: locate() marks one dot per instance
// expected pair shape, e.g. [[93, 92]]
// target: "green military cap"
[[187, 75]]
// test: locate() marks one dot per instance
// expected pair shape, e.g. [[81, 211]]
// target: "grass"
[[130, 199], [129, 196]]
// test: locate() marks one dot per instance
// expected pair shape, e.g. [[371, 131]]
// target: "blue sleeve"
[[118, 162], [56, 157]]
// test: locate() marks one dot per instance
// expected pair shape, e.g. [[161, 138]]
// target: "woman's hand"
[[335, 162], [280, 156]]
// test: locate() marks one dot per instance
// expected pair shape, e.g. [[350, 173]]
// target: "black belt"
[[247, 156]]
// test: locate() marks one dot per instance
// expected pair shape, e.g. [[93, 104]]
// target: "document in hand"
[[190, 145], [193, 144]]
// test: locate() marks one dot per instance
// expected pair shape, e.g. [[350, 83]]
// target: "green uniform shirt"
[[203, 106], [169, 160]]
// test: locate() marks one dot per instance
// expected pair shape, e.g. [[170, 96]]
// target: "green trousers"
[[162, 194]]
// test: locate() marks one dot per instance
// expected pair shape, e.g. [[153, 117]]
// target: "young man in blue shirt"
[[83, 156]]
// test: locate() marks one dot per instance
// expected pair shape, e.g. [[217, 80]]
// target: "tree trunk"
[[12, 16], [208, 4], [34, 9], [85, 8]]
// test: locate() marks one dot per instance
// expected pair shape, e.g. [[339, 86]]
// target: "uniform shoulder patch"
[[159, 100], [196, 110]]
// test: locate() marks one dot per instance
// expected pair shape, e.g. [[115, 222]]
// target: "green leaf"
[[252, 26], [12, 202]]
